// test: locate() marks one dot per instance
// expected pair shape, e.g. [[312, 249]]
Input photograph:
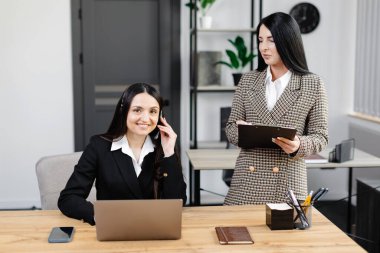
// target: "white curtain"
[[367, 75]]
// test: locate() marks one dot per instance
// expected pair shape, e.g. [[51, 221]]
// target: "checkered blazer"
[[263, 175]]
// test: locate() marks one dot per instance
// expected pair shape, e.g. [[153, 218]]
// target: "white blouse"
[[276, 88], [123, 144]]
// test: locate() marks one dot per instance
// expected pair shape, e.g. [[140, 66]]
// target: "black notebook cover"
[[260, 136]]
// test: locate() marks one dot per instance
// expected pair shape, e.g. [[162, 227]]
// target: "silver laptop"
[[127, 220]]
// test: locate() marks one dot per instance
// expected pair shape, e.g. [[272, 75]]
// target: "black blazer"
[[115, 178]]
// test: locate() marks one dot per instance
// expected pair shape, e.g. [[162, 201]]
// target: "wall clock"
[[306, 15]]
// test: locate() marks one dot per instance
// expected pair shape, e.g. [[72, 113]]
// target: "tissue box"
[[279, 216]]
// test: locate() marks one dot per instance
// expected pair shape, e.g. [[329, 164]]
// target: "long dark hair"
[[287, 37], [118, 127]]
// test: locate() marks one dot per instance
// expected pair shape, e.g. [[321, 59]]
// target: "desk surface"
[[27, 231], [217, 159]]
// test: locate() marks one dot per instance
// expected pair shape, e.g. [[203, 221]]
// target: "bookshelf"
[[195, 89]]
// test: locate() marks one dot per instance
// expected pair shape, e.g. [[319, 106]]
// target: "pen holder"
[[303, 216]]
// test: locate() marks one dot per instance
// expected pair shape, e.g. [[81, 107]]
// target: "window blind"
[[367, 71]]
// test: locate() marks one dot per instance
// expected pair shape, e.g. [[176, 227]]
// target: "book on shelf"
[[316, 158]]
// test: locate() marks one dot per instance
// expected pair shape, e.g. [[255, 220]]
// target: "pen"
[[294, 202], [307, 202], [325, 190], [308, 199], [298, 208], [317, 194], [302, 215]]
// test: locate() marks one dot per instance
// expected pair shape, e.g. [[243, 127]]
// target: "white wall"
[[330, 51], [36, 93]]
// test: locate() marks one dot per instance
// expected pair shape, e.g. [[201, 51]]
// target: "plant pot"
[[236, 77], [205, 22]]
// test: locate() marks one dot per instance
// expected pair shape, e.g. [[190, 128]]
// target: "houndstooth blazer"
[[264, 175]]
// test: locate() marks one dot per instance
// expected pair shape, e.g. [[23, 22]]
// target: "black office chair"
[[224, 114], [227, 176]]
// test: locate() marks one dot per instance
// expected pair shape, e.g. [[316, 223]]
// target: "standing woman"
[[134, 159], [281, 92]]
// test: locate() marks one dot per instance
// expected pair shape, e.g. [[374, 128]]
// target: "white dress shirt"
[[274, 89], [123, 144]]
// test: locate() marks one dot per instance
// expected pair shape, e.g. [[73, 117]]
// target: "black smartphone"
[[61, 234]]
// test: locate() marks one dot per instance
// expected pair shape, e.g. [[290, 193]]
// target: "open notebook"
[[316, 158], [126, 220]]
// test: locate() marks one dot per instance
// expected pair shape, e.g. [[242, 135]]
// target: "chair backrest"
[[53, 172], [228, 173]]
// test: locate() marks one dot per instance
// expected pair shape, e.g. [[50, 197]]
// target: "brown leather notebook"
[[233, 235]]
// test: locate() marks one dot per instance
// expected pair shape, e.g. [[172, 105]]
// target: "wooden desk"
[[217, 159], [27, 231]]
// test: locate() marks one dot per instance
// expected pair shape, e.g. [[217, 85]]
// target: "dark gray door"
[[123, 42]]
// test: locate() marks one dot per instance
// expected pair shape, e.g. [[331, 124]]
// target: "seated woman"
[[134, 159]]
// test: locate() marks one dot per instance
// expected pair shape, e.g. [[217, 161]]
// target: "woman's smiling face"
[[143, 114]]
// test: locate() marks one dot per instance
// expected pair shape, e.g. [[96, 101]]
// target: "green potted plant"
[[203, 6], [238, 59]]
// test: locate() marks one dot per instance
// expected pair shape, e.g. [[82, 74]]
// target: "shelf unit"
[[195, 89]]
